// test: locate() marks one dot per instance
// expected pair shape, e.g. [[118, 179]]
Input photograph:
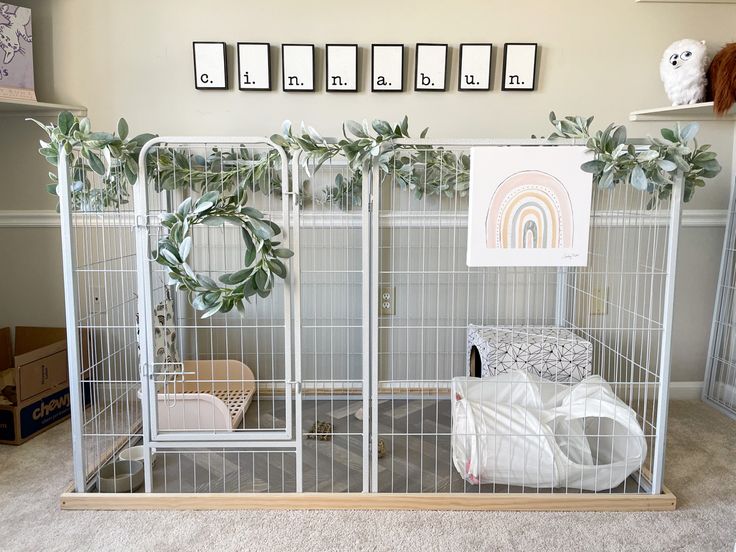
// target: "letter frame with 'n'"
[[519, 67]]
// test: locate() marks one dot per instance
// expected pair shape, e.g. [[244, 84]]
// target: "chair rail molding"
[[696, 218]]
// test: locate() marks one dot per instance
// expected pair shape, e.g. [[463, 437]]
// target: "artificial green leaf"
[[666, 165], [261, 279], [594, 166], [198, 302], [381, 127], [252, 213], [141, 139], [355, 128], [122, 128], [688, 132], [65, 122], [235, 278], [261, 229], [207, 282], [619, 136], [185, 207], [212, 310], [277, 267], [639, 179], [648, 155], [95, 163], [185, 247], [606, 180], [169, 256]]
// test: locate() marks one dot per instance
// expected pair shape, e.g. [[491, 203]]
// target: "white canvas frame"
[[529, 181]]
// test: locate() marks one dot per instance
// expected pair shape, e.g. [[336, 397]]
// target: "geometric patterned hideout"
[[555, 354]]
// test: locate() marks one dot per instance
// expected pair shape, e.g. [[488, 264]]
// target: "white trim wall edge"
[[686, 390], [19, 218]]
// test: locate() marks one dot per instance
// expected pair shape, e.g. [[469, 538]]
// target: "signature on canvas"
[[12, 29]]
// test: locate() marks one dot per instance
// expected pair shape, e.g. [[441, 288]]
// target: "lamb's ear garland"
[[722, 79]]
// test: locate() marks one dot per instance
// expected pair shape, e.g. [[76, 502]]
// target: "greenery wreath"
[[262, 259]]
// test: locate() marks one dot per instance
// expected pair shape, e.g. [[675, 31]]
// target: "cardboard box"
[[20, 422], [39, 371]]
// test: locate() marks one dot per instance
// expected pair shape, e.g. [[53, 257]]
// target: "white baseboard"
[[686, 390]]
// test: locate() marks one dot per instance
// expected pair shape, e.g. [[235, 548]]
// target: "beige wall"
[[133, 58]]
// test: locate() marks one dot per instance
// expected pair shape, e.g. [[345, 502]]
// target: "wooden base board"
[[580, 502]]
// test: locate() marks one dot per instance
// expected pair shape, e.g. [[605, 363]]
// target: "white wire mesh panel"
[[103, 271], [224, 471], [615, 305], [720, 379], [331, 248]]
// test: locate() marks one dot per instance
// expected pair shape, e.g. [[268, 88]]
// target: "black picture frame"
[[373, 67], [460, 68], [283, 69], [268, 54], [327, 68], [224, 60], [534, 72], [416, 66]]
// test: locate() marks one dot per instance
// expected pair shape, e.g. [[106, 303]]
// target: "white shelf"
[[688, 1], [26, 108], [693, 112]]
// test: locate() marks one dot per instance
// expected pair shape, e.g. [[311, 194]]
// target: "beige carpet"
[[701, 472]]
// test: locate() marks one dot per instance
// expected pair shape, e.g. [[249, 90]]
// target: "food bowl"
[[120, 477], [136, 454]]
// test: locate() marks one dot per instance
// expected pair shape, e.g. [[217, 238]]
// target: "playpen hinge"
[[297, 385], [141, 221]]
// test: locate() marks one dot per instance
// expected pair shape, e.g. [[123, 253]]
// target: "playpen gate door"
[[224, 381]]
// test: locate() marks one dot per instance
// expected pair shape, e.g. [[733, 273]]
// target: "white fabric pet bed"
[[518, 429]]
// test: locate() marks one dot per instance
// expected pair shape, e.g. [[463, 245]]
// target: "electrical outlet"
[[599, 301], [387, 301]]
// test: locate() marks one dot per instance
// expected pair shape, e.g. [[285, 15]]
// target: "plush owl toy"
[[682, 69]]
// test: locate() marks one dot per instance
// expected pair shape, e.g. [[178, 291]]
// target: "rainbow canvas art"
[[529, 206]]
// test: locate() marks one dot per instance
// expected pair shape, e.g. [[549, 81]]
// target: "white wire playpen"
[[353, 377], [720, 375]]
